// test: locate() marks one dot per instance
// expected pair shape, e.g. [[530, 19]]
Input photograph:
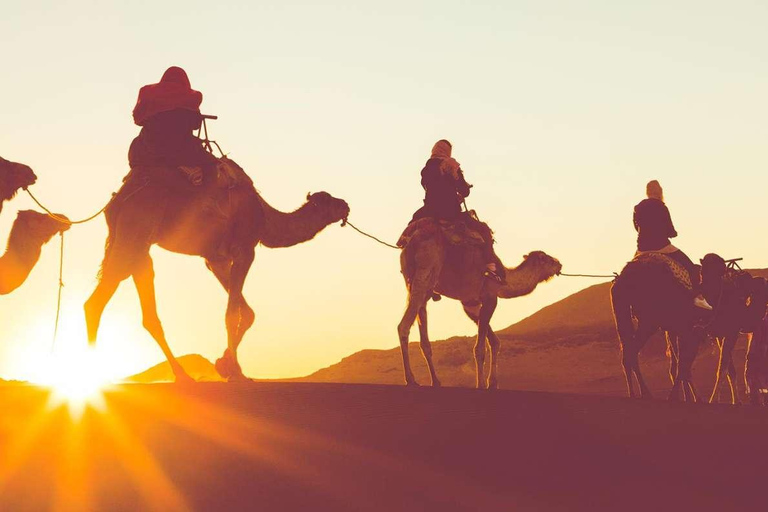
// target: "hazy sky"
[[559, 113]]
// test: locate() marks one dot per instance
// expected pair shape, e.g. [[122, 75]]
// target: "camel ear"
[[701, 260], [309, 195]]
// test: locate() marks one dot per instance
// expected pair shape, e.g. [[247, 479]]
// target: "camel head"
[[328, 207], [547, 266], [14, 177], [712, 269], [39, 226]]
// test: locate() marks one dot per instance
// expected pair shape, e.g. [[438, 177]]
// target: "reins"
[[346, 222], [63, 220]]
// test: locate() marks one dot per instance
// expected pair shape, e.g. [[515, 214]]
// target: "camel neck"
[[289, 229]]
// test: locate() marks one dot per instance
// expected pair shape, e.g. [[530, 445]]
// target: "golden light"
[[76, 379]]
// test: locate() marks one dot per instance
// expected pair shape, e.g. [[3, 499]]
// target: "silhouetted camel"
[[740, 305], [30, 231], [430, 265], [13, 177], [222, 221], [647, 290]]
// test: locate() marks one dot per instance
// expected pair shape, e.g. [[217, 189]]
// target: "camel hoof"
[[239, 377], [412, 384], [183, 378], [224, 367], [436, 384]]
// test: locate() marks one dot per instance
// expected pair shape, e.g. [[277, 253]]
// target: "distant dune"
[[198, 367], [569, 346]]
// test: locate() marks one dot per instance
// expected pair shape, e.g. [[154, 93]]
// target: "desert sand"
[[312, 446]]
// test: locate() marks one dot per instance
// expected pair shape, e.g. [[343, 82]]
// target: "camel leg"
[[473, 312], [726, 344], [239, 316], [426, 347], [419, 290], [674, 357], [483, 325], [733, 382], [94, 306], [688, 347], [642, 335], [227, 365], [144, 279]]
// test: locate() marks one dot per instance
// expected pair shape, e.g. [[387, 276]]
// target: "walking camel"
[[30, 231], [648, 290], [430, 265], [740, 306], [221, 220]]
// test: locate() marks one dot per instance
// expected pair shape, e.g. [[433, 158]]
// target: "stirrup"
[[701, 302]]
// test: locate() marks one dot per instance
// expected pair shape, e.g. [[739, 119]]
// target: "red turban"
[[172, 92]]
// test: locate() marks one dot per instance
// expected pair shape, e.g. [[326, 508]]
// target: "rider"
[[654, 229], [169, 112], [445, 187]]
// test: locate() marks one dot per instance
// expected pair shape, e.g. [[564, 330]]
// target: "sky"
[[559, 113]]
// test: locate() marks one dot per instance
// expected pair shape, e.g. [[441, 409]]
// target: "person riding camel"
[[168, 113], [654, 227], [445, 191]]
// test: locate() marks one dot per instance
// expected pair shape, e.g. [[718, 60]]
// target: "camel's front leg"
[[493, 341], [239, 316], [426, 347], [725, 344], [144, 279], [486, 312]]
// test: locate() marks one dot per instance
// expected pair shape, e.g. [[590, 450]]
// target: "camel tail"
[[622, 311]]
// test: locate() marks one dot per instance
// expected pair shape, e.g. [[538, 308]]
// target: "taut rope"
[[346, 222], [600, 276], [65, 220]]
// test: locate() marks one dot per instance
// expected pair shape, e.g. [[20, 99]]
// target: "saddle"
[[679, 272], [456, 233]]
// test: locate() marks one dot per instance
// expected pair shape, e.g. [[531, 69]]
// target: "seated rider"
[[654, 229], [169, 112], [446, 188]]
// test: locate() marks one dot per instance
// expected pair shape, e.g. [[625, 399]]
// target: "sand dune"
[[297, 446], [569, 346]]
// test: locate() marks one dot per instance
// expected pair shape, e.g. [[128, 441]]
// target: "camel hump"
[[677, 270], [459, 233], [230, 175]]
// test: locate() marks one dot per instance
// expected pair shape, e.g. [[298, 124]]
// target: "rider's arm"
[[670, 228], [462, 187]]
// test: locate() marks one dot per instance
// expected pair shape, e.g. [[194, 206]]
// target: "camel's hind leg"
[[239, 316], [426, 347], [642, 335], [144, 279], [726, 345], [419, 290]]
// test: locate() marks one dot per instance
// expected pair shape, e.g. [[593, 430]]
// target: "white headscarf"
[[442, 150]]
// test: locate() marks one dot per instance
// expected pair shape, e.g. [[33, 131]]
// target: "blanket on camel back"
[[464, 232], [172, 188], [225, 174], [678, 271]]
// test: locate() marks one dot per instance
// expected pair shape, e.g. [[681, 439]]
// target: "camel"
[[650, 292], [430, 265], [13, 177], [222, 220], [740, 306], [31, 230]]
